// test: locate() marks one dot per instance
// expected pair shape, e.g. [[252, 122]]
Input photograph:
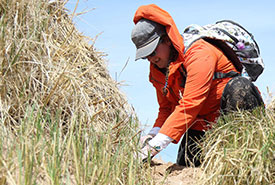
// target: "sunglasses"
[[151, 55]]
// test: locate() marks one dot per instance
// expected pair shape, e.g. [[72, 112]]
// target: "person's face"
[[160, 56]]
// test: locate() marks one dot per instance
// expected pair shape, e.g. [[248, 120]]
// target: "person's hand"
[[151, 145], [145, 139], [148, 152]]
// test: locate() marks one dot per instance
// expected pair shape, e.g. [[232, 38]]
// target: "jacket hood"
[[155, 13]]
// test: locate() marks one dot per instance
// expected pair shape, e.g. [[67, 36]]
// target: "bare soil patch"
[[172, 174]]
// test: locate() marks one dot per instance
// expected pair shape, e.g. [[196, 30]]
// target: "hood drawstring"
[[165, 89]]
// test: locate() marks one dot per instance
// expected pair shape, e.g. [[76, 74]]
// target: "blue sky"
[[113, 21]]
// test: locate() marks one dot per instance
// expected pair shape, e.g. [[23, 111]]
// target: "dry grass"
[[39, 152], [63, 119], [271, 106], [47, 62], [240, 150]]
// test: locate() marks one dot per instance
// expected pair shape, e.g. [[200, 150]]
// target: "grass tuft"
[[47, 62], [240, 149], [39, 151]]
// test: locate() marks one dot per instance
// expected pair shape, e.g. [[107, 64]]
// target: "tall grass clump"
[[44, 59], [39, 152], [240, 149], [63, 119]]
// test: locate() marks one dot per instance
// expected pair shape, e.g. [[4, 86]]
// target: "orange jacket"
[[197, 104]]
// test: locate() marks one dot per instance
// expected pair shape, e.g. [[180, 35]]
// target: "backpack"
[[236, 43]]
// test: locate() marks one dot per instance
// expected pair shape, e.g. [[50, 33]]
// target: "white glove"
[[153, 143], [154, 146], [148, 152], [154, 131], [144, 140]]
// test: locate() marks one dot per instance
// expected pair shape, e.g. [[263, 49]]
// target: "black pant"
[[189, 150], [239, 93]]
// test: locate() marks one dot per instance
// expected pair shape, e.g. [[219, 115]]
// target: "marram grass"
[[41, 151], [241, 150], [45, 60]]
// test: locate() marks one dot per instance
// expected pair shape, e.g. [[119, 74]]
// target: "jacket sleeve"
[[200, 65], [164, 109]]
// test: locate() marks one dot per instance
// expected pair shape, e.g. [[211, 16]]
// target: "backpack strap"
[[183, 75], [220, 75], [227, 51], [229, 35]]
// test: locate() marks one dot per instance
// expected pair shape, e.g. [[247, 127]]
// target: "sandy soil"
[[172, 174]]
